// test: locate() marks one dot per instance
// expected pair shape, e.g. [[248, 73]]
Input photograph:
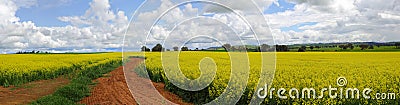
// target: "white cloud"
[[47, 4], [166, 21], [389, 16], [98, 28], [335, 6], [101, 27], [248, 6], [339, 21], [221, 26], [25, 3], [7, 11]]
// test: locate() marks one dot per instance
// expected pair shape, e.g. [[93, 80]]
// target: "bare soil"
[[113, 89], [23, 94]]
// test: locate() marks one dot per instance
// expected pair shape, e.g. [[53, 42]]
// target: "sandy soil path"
[[25, 93], [113, 89]]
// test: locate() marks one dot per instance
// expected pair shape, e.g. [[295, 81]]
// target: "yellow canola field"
[[17, 69], [379, 71]]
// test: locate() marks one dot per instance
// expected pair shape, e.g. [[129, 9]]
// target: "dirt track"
[[113, 90], [110, 90], [26, 93]]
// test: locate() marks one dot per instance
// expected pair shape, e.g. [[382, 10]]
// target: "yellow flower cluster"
[[17, 69], [376, 70]]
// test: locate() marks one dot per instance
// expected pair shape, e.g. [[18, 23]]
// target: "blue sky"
[[46, 12], [283, 6], [63, 23], [296, 27]]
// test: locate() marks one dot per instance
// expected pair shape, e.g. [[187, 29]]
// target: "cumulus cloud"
[[98, 28], [248, 6], [152, 25], [338, 21], [101, 27], [335, 6], [179, 25]]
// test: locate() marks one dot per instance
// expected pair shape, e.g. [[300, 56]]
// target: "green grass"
[[79, 87], [53, 100]]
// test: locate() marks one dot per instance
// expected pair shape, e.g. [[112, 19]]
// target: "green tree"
[[157, 48], [144, 48], [363, 47], [301, 50], [264, 47], [184, 48], [227, 47], [371, 47], [350, 46], [175, 48], [397, 44], [344, 47]]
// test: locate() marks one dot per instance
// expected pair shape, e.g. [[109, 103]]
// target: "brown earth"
[[113, 90], [23, 94], [109, 90]]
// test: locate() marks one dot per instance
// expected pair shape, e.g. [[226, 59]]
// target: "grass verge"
[[79, 87]]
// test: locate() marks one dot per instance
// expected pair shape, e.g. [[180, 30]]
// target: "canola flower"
[[377, 70], [18, 69]]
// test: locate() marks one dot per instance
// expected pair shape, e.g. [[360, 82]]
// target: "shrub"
[[74, 91]]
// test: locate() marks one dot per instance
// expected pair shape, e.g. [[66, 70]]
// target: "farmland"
[[376, 70], [19, 69]]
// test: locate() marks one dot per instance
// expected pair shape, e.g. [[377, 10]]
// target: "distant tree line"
[[348, 46], [267, 48], [362, 46], [160, 48], [32, 52], [261, 48], [229, 47], [397, 44]]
